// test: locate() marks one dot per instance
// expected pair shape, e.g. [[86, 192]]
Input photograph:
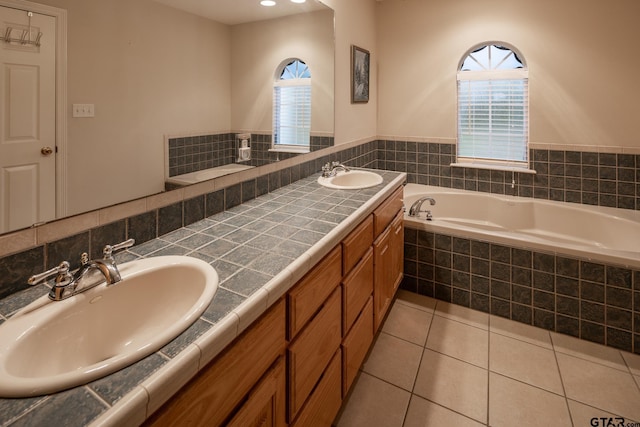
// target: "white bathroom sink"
[[49, 346], [352, 180]]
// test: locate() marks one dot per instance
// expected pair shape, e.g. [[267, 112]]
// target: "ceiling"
[[232, 12]]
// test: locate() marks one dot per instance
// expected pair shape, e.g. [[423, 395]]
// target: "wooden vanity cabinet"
[[297, 362], [226, 387]]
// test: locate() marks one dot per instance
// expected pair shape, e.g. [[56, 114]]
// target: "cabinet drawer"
[[311, 351], [216, 391], [325, 401], [357, 287], [356, 244], [384, 214], [356, 345], [312, 290], [265, 405]]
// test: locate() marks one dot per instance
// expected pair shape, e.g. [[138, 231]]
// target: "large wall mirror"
[[142, 72]]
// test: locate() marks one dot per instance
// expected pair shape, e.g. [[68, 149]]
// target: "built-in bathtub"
[[565, 267], [596, 233], [206, 174]]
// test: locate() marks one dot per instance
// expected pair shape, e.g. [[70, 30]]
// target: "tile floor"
[[438, 364]]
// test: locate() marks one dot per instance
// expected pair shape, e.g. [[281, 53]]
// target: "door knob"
[[46, 151]]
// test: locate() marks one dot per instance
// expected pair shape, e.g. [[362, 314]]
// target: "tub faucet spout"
[[416, 207]]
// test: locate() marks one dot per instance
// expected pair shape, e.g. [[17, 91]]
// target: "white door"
[[27, 120]]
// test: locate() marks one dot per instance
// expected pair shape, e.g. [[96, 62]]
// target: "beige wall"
[[355, 24], [581, 56], [136, 60], [257, 49]]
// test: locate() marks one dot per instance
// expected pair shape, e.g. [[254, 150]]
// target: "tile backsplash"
[[603, 179], [195, 153]]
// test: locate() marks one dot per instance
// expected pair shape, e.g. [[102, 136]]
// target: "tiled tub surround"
[[196, 153], [552, 288], [603, 179], [598, 233], [259, 248]]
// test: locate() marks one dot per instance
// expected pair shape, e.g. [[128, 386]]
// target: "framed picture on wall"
[[359, 75]]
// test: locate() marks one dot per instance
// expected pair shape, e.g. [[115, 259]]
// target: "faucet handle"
[[108, 250], [61, 270]]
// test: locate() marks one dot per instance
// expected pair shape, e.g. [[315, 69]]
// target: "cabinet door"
[[383, 276], [397, 251], [212, 396], [265, 405]]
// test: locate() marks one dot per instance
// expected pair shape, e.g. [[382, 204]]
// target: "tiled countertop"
[[260, 249]]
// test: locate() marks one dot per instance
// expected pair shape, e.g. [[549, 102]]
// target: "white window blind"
[[292, 106], [493, 110], [292, 114]]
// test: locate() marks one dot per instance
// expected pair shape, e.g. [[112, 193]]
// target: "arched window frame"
[[292, 106], [493, 108]]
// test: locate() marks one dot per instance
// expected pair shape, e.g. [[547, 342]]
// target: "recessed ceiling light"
[[298, 1], [268, 3]]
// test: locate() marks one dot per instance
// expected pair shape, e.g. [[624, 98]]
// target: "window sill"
[[301, 150], [518, 169]]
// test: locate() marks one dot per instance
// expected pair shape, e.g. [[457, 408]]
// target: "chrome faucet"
[[331, 169], [89, 275], [416, 207]]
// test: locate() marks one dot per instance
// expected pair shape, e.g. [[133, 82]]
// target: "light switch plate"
[[84, 110]]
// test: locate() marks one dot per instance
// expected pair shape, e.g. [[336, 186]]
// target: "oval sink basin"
[[352, 180], [49, 346]]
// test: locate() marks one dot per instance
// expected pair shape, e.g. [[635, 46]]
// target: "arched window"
[[493, 107], [292, 106]]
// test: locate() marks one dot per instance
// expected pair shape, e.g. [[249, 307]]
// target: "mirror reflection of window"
[[292, 106]]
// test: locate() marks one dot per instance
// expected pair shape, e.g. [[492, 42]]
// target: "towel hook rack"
[[25, 37]]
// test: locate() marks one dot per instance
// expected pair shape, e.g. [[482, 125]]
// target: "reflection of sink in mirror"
[[352, 180], [50, 346]]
